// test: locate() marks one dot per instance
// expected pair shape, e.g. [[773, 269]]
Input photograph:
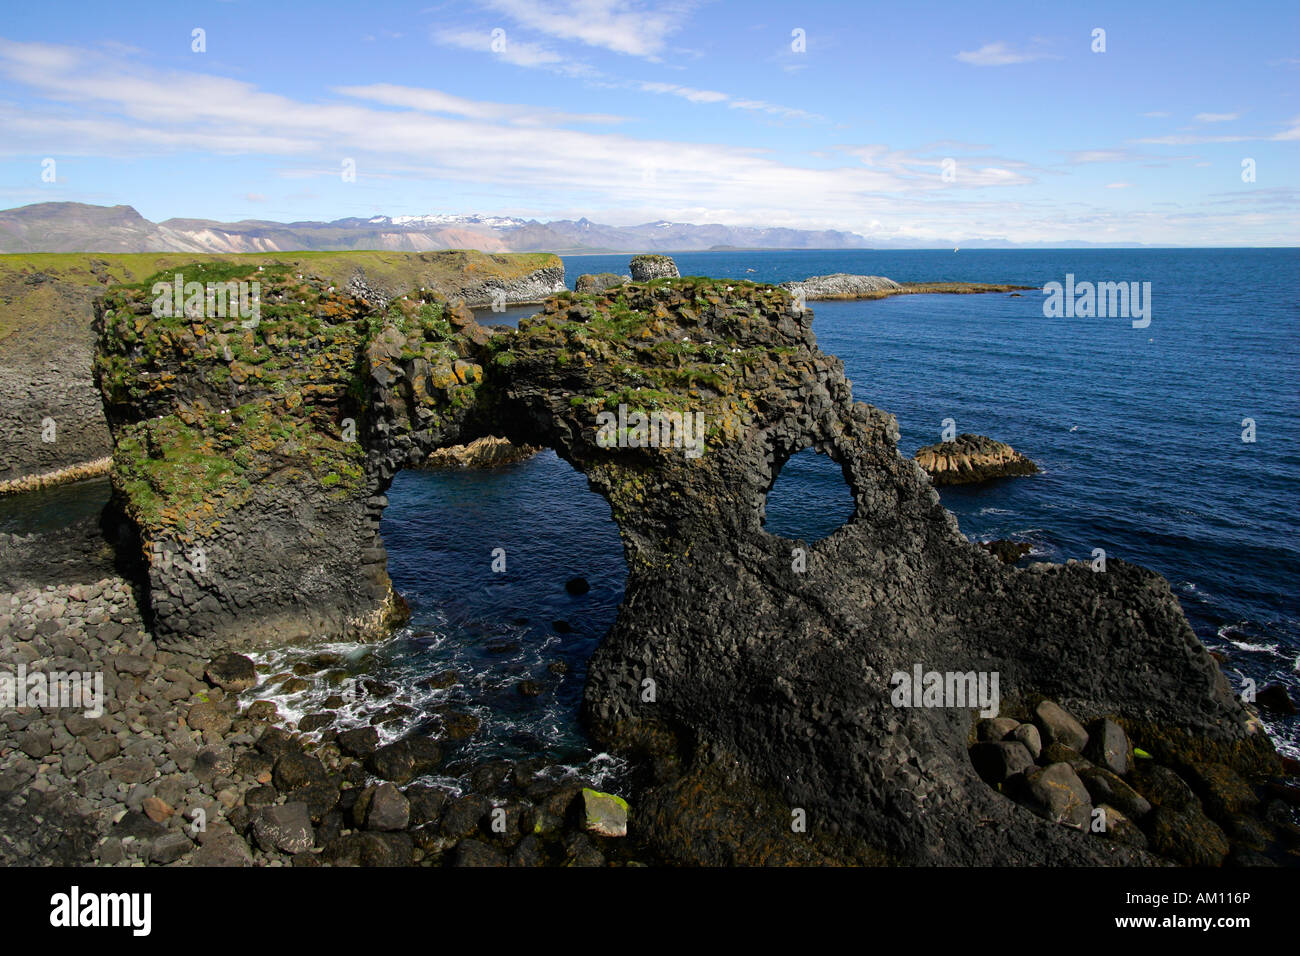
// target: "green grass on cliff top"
[[45, 294]]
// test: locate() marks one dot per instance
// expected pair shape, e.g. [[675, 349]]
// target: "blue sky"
[[897, 121]]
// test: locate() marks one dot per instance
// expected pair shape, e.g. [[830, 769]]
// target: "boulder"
[[359, 742], [995, 728], [465, 815], [387, 809], [403, 761], [1163, 787], [1058, 726], [604, 814], [296, 770], [1276, 698], [1008, 552], [286, 828], [169, 847], [233, 673], [1028, 735], [478, 853], [1108, 747], [588, 283], [206, 716], [225, 850], [1059, 753], [487, 452], [1105, 787], [996, 761], [1056, 793], [1223, 792]]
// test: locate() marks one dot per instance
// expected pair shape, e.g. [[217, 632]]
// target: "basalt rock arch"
[[756, 686]]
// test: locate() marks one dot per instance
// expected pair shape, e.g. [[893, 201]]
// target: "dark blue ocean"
[[1138, 433]]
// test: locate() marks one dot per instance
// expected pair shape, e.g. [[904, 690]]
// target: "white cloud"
[[618, 25], [1119, 185], [685, 92], [1216, 117], [515, 52], [436, 101], [713, 96], [1292, 132], [1190, 140], [786, 112], [1000, 54], [1083, 156]]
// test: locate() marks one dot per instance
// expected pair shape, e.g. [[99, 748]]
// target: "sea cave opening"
[[809, 499]]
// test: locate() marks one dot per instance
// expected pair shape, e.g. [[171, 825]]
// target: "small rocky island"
[[842, 285], [969, 459]]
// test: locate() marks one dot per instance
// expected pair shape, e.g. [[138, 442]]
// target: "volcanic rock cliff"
[[750, 672], [52, 419]]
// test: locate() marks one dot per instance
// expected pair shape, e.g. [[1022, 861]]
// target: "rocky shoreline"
[[182, 768], [216, 430]]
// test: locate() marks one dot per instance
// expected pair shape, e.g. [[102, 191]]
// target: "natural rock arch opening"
[[487, 561], [809, 499]]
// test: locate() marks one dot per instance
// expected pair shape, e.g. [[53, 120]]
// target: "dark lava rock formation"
[[751, 673], [489, 452], [647, 267], [969, 459], [598, 282]]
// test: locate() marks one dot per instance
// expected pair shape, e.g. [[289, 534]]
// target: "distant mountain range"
[[79, 227]]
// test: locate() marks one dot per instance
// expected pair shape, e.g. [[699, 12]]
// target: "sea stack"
[[487, 452], [969, 459], [645, 268]]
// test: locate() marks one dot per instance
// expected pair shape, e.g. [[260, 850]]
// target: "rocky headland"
[[747, 675], [52, 426], [969, 459], [842, 285]]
